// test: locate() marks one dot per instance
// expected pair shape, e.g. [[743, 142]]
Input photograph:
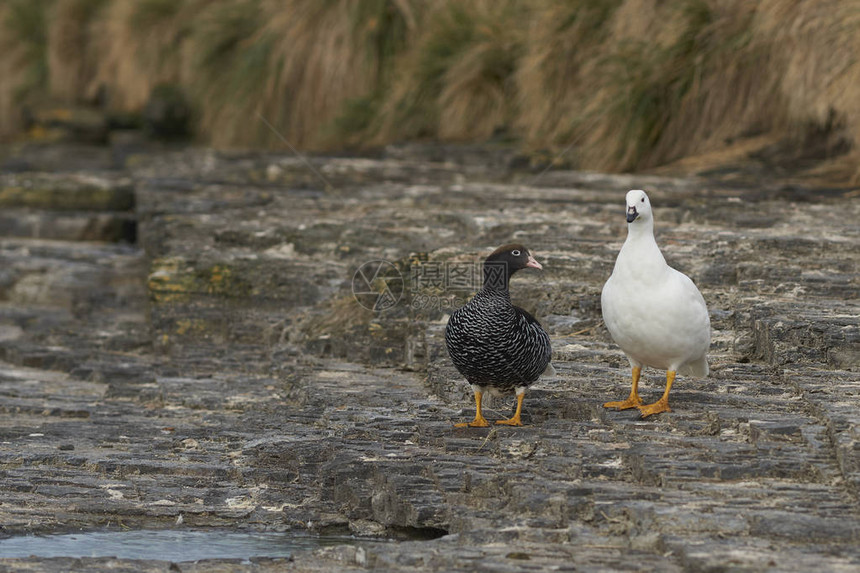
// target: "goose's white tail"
[[698, 368]]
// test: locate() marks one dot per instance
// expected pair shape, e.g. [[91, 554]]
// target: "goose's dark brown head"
[[504, 262]]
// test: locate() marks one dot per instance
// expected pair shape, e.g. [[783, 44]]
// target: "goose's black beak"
[[631, 213]]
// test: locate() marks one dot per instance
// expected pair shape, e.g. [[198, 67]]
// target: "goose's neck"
[[497, 276], [494, 293], [641, 230], [641, 246]]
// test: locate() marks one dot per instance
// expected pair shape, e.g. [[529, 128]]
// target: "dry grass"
[[625, 84], [817, 46], [68, 46], [24, 61], [296, 63], [565, 50], [455, 81], [139, 45], [615, 84], [341, 317], [693, 86]]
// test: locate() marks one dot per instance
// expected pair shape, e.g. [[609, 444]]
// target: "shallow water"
[[167, 545]]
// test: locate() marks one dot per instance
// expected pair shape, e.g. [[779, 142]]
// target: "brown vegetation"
[[614, 84]]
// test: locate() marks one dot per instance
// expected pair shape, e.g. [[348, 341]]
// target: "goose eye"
[[515, 253], [643, 199]]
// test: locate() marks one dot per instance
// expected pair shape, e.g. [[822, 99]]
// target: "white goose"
[[654, 313]]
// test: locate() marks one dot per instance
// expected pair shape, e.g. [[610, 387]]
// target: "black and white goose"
[[495, 345]]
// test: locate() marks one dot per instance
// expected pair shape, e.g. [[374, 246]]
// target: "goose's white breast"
[[660, 320]]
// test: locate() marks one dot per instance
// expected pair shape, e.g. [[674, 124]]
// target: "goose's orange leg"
[[633, 401], [515, 420], [661, 405], [479, 421]]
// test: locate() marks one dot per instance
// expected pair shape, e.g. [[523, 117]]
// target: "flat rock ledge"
[[181, 345]]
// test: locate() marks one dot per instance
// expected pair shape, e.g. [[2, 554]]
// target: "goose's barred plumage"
[[495, 345]]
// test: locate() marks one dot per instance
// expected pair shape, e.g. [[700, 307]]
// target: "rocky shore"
[[181, 345]]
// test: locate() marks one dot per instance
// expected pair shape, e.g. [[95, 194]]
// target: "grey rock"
[[224, 372]]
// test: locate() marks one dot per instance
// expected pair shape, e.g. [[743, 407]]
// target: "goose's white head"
[[638, 206]]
